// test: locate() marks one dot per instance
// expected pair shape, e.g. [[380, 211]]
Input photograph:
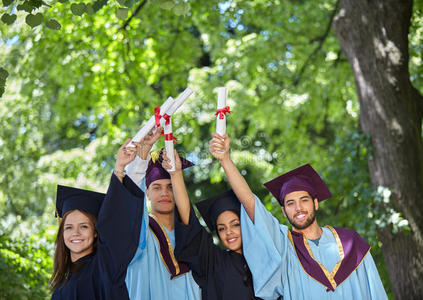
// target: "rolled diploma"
[[151, 122], [169, 146], [179, 101], [168, 128], [222, 94]]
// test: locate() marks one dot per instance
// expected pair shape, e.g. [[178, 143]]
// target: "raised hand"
[[166, 163], [144, 146], [219, 146], [124, 157]]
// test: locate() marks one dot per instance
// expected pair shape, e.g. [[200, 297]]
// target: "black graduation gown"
[[221, 274], [102, 275]]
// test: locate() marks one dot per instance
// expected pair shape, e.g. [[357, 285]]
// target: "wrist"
[[225, 161], [176, 173], [119, 173], [144, 150]]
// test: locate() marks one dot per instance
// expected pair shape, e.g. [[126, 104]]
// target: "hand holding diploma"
[[219, 147]]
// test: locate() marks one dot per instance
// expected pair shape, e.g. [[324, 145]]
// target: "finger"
[[126, 143], [217, 136]]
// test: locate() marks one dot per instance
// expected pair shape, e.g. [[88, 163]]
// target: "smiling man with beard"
[[308, 261]]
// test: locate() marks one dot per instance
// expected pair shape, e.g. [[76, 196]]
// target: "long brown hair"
[[62, 260]]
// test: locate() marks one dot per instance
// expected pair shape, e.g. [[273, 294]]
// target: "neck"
[[312, 232], [75, 256], [166, 220]]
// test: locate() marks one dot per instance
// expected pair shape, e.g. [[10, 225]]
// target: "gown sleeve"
[[376, 289], [265, 244], [195, 247], [118, 227]]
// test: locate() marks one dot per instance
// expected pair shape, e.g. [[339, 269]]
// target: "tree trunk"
[[374, 37]]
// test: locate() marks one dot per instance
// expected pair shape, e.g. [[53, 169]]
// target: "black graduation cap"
[[70, 198], [211, 208]]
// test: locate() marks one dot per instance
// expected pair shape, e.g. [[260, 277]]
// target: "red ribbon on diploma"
[[167, 118], [221, 112], [157, 115], [169, 137]]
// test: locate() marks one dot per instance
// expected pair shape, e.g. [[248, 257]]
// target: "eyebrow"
[[77, 224], [229, 222]]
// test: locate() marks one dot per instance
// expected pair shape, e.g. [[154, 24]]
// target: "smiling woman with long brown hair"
[[97, 236]]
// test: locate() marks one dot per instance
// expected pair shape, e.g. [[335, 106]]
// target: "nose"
[[298, 206], [75, 232], [228, 230]]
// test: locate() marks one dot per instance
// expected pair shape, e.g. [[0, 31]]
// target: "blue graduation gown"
[[277, 270], [101, 275], [147, 276], [221, 274]]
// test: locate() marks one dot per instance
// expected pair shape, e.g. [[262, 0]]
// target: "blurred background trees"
[[86, 76]]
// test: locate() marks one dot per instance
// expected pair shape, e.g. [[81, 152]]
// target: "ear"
[[95, 234], [316, 204]]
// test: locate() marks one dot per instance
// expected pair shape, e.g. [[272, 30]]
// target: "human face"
[[300, 209], [229, 230], [160, 194], [78, 234]]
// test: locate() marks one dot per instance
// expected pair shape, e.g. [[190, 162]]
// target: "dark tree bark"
[[374, 37]]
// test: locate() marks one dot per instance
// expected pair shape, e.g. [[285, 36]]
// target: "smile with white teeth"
[[231, 240], [300, 216], [76, 241]]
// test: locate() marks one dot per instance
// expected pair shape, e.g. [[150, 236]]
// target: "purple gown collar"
[[174, 267], [352, 250]]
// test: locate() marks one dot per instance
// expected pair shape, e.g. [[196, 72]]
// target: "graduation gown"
[[277, 271], [101, 275], [221, 274], [147, 276]]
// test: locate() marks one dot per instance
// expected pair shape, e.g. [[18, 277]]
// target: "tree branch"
[[137, 10], [322, 39]]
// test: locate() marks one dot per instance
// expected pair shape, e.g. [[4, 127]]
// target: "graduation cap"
[[211, 208], [303, 178], [70, 198], [155, 171]]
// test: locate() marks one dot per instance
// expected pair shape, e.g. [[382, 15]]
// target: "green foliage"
[[25, 266], [74, 95], [3, 76]]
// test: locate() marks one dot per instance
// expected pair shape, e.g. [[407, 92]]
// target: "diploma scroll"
[[169, 140], [151, 122], [222, 109], [168, 134]]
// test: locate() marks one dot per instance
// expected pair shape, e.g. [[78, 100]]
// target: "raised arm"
[[178, 185], [219, 148]]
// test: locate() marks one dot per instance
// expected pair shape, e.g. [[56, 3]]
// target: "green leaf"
[[36, 3], [122, 13], [78, 9], [180, 9], [89, 10], [167, 5], [7, 2], [26, 6], [3, 74], [53, 24], [8, 19], [34, 20], [99, 4]]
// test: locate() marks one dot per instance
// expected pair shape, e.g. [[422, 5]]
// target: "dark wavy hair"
[[62, 260]]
